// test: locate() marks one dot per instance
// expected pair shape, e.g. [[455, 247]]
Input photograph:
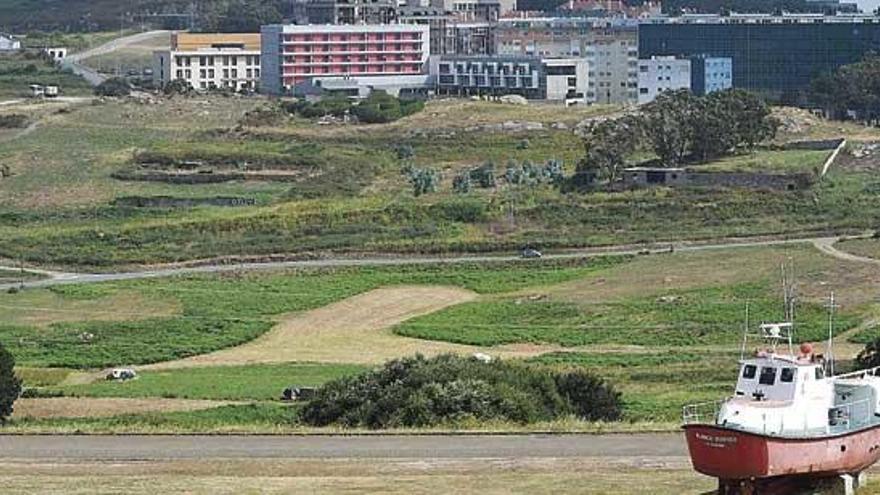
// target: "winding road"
[[74, 61], [60, 278]]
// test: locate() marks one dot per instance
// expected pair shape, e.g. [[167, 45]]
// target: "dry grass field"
[[663, 476]]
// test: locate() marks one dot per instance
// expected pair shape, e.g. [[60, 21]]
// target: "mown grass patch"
[[224, 310], [42, 377], [251, 382], [703, 316]]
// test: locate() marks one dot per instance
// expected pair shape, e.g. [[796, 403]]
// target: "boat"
[[790, 419]]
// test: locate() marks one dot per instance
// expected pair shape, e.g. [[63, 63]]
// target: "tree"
[[607, 144], [484, 175], [10, 384], [869, 357], [424, 180], [177, 87], [752, 117], [115, 86], [461, 183], [852, 88], [668, 125]]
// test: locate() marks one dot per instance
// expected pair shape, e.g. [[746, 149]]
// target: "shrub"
[[13, 121], [115, 86], [10, 384], [177, 87], [421, 391]]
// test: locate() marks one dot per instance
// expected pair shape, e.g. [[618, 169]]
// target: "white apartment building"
[[658, 74], [207, 61]]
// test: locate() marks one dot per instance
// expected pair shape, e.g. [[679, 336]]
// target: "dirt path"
[[826, 245], [76, 407], [355, 330]]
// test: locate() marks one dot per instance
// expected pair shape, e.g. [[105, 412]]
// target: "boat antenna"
[[830, 348], [742, 352]]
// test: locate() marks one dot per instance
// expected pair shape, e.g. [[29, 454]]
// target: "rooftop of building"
[[784, 18], [205, 41], [345, 28]]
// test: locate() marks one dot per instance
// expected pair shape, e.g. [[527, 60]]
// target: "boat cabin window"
[[749, 371], [768, 376], [787, 375], [820, 373]]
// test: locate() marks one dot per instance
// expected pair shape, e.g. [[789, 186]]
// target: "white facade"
[[57, 54], [207, 69], [208, 61], [567, 79], [9, 44], [659, 74]]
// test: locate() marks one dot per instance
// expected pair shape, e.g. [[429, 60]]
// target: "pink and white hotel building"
[[292, 54]]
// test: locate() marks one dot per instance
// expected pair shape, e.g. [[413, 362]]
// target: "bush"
[[419, 391], [13, 121], [10, 384], [177, 87], [115, 86]]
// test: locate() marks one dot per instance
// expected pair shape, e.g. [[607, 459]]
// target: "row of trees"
[[678, 127], [526, 173], [852, 91]]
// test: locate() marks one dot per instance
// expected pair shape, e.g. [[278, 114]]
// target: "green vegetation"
[[378, 108], [656, 385], [448, 389], [252, 382], [18, 71], [10, 384], [678, 318], [115, 87], [227, 310], [770, 161], [243, 417]]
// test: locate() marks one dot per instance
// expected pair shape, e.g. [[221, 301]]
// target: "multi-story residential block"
[[610, 47], [448, 34], [659, 74], [613, 59], [206, 61], [528, 76], [295, 54], [778, 55], [345, 11], [710, 74]]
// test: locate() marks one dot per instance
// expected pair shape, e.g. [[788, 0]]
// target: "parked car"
[[530, 253], [122, 374], [297, 393]]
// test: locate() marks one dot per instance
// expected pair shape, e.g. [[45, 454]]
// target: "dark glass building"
[[775, 55]]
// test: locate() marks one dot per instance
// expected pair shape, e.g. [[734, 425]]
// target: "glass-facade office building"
[[775, 56]]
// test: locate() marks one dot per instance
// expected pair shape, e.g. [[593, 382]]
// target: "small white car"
[[122, 374], [529, 253]]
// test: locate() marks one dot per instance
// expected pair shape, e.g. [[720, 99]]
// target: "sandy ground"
[[75, 407], [355, 330], [484, 476]]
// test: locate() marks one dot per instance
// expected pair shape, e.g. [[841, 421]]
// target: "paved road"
[[61, 278], [134, 447], [74, 60]]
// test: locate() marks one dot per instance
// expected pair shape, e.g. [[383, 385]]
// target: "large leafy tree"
[[668, 124], [10, 384], [607, 144], [853, 90]]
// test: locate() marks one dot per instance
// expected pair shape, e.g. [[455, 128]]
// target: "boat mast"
[[830, 347], [788, 301], [742, 352]]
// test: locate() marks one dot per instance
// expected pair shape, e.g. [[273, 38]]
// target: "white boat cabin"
[[791, 396]]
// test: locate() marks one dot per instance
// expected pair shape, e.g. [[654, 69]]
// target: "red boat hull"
[[736, 455]]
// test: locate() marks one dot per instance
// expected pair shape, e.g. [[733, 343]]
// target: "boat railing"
[[875, 371], [701, 412], [842, 417]]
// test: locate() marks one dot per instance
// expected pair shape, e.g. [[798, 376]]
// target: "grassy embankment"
[[650, 325], [19, 71], [347, 193]]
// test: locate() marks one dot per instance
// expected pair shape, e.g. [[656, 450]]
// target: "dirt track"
[[355, 330]]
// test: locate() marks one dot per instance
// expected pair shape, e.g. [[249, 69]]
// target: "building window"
[[202, 61]]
